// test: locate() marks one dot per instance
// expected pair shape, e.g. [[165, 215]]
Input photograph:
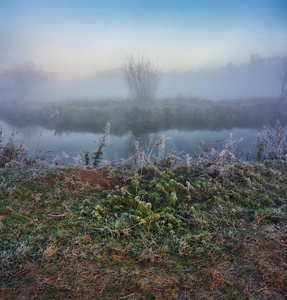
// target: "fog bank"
[[258, 79]]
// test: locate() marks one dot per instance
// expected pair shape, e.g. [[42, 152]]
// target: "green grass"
[[204, 232]]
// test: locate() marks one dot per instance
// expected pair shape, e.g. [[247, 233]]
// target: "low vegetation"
[[152, 228], [158, 115], [211, 231]]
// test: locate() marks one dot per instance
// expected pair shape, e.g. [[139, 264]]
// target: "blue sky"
[[80, 37]]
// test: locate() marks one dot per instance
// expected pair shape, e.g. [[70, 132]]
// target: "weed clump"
[[274, 138], [13, 153], [161, 204], [98, 155]]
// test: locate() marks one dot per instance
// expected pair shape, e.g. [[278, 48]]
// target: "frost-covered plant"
[[277, 137], [87, 158], [232, 145], [140, 159], [162, 204], [153, 154], [13, 153], [262, 142], [98, 155], [273, 137], [160, 145], [61, 159], [39, 163], [189, 160], [227, 155], [207, 151], [78, 159]]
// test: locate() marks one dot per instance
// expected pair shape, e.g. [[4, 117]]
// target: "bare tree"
[[283, 78], [23, 79], [142, 78], [254, 58]]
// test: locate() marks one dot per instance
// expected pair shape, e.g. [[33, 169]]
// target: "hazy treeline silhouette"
[[258, 78], [25, 82]]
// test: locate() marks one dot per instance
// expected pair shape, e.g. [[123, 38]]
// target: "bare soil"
[[98, 179]]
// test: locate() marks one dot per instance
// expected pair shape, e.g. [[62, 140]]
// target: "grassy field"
[[210, 231]]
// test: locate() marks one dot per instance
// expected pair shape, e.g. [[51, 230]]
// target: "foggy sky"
[[78, 38]]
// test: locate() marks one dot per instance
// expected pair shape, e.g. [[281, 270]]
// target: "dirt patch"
[[98, 179]]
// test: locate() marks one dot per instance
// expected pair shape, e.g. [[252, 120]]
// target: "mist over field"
[[257, 79], [210, 50]]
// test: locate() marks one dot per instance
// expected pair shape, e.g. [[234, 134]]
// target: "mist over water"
[[250, 80], [259, 79], [61, 67]]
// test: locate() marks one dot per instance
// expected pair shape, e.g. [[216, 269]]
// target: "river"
[[74, 144]]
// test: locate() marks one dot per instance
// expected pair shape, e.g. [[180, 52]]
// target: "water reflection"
[[146, 128], [122, 146]]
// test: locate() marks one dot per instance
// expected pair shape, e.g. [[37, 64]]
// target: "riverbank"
[[185, 114], [210, 231]]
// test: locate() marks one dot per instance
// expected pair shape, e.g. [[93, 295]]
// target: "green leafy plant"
[[162, 204]]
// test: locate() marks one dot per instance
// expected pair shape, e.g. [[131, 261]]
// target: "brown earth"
[[101, 179]]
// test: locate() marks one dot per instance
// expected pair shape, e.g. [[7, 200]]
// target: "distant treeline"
[[77, 115]]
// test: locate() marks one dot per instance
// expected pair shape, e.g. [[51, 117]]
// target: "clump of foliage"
[[273, 138], [161, 204], [13, 153]]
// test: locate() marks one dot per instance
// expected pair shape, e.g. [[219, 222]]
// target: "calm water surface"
[[74, 143]]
